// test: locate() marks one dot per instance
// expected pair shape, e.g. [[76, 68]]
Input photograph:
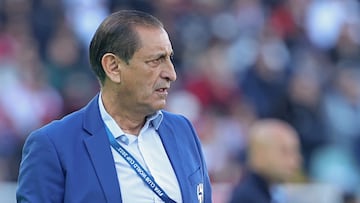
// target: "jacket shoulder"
[[175, 119], [64, 123]]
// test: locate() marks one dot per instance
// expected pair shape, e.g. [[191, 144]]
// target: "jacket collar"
[[171, 144], [98, 147]]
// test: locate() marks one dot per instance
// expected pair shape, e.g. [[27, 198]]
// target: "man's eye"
[[159, 60], [155, 62]]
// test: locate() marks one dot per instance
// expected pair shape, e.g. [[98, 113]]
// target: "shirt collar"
[[153, 120]]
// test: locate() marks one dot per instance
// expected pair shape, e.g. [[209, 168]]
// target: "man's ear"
[[111, 66]]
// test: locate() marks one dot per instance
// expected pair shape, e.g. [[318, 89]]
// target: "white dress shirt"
[[149, 151]]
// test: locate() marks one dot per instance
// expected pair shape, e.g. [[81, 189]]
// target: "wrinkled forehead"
[[153, 38]]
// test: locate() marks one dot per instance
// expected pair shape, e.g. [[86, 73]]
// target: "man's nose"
[[169, 72]]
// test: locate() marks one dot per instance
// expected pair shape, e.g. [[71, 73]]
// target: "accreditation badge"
[[200, 192]]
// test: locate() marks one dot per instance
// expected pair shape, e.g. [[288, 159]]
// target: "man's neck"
[[129, 125], [129, 122]]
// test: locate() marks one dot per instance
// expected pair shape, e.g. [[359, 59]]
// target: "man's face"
[[285, 158], [146, 79]]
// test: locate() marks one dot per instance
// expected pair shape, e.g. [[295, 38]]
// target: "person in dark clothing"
[[273, 158]]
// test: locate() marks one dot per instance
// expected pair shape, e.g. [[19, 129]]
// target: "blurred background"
[[237, 61]]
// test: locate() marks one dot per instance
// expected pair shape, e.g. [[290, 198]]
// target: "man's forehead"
[[154, 40]]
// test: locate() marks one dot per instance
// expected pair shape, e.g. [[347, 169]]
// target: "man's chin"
[[158, 105]]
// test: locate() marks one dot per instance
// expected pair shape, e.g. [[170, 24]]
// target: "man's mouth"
[[162, 90]]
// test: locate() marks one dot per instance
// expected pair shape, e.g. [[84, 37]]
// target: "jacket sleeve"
[[41, 178]]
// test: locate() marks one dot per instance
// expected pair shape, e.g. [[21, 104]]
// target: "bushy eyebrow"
[[161, 55]]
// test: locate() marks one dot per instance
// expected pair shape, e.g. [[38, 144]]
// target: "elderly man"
[[121, 147]]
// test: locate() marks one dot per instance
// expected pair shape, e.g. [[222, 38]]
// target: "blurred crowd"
[[237, 61]]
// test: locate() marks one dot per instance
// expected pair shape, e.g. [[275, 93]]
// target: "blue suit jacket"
[[70, 160]]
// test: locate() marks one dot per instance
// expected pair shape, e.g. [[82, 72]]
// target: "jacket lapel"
[[171, 144], [98, 147]]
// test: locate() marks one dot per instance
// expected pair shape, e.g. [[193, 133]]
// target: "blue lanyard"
[[148, 179]]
